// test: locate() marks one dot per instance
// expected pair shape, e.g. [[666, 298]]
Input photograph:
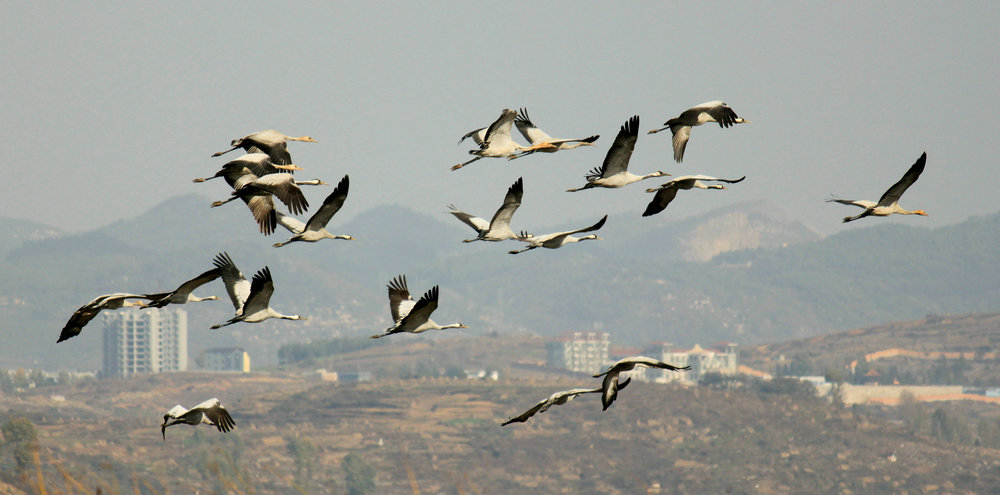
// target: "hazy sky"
[[111, 108]]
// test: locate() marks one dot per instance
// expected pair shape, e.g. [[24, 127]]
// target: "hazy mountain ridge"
[[632, 284], [15, 232]]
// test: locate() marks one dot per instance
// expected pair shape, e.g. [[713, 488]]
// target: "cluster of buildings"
[[154, 341], [591, 352]]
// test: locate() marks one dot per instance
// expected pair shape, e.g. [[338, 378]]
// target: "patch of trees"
[[306, 351]]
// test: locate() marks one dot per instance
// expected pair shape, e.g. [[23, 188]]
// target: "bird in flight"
[[666, 192], [210, 412], [888, 204], [614, 173], [680, 126], [555, 399], [409, 316]]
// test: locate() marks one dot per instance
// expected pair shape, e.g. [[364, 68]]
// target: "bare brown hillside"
[[917, 344], [292, 434]]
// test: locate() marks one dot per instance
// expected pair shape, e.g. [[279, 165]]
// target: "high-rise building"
[[586, 352], [145, 341]]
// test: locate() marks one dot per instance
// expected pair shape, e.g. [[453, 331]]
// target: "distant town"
[[156, 341]]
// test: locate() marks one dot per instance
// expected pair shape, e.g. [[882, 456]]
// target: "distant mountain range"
[[747, 273]]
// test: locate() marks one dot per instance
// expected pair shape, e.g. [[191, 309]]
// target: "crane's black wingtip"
[[68, 333]]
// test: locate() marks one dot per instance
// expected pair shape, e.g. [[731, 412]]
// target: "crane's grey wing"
[[261, 289], [681, 134], [530, 132], [331, 205], [722, 114], [706, 177], [278, 153], [294, 225], [660, 202], [589, 139], [189, 286], [237, 286], [398, 293], [88, 311], [860, 203], [182, 292], [521, 418], [668, 366], [610, 388], [422, 310], [284, 188], [652, 363], [177, 411], [270, 142], [510, 204], [596, 226], [478, 224], [500, 129], [76, 322], [893, 194], [616, 161], [543, 238], [477, 135], [261, 207], [218, 415], [565, 396]]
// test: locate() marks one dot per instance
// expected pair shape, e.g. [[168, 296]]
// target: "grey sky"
[[111, 108]]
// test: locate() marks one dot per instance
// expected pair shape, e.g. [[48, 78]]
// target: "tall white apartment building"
[[145, 341], [585, 352]]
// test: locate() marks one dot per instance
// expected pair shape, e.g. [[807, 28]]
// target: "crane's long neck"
[[432, 325], [194, 298], [539, 146]]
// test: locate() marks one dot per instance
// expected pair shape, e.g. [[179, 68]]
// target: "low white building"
[[720, 358], [227, 359]]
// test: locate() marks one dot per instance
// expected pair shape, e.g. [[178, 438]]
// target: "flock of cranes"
[[266, 172]]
